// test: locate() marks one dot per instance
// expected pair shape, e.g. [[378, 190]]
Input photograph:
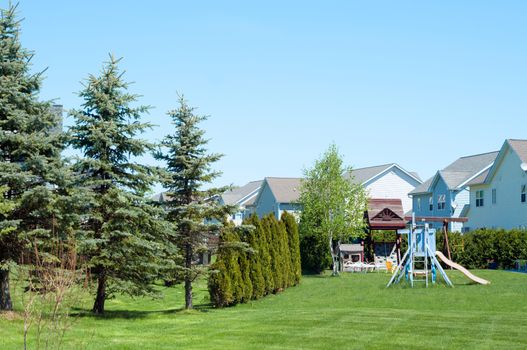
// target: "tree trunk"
[[98, 306], [5, 297], [334, 257], [188, 277]]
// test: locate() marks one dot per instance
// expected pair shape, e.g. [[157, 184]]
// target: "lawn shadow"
[[138, 314]]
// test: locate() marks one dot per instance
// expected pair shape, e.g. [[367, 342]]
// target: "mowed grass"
[[350, 312]]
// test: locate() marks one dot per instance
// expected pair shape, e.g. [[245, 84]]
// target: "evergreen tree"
[[191, 208], [30, 145], [244, 259], [285, 255], [294, 247], [256, 259], [124, 231], [265, 250]]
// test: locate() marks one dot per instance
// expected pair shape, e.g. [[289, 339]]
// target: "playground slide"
[[462, 269]]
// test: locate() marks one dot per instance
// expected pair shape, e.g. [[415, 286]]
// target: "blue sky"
[[412, 82]]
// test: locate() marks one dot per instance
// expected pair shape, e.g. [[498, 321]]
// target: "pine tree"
[[191, 208], [124, 231], [30, 145]]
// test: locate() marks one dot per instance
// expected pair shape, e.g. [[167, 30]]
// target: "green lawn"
[[353, 311]]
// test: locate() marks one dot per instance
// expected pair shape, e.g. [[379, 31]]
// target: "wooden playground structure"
[[420, 262]]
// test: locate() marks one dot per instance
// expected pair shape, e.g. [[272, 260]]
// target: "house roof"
[[362, 175], [459, 172], [480, 179], [285, 189], [242, 195], [385, 213], [351, 248], [520, 147]]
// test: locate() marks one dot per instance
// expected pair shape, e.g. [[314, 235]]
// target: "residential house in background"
[[243, 198], [446, 194], [278, 194], [498, 196], [388, 181], [384, 181]]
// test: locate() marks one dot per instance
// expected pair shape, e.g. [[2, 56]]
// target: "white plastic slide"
[[462, 269]]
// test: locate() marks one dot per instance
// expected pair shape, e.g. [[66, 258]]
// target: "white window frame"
[[480, 198], [494, 196], [441, 202], [431, 203], [419, 203]]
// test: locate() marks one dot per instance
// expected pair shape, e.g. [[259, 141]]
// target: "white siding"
[[393, 184], [461, 199], [508, 212]]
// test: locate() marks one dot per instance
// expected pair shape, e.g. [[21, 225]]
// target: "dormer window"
[[441, 202]]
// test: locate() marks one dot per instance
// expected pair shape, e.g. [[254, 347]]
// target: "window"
[[493, 196], [441, 202], [431, 203], [524, 192], [479, 198], [419, 204]]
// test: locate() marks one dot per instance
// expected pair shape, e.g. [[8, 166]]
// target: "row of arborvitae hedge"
[[256, 261], [485, 248]]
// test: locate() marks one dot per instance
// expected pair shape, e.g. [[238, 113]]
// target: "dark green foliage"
[[256, 260], [295, 267], [314, 253], [126, 242], [190, 208], [480, 248], [244, 260], [265, 249], [33, 176]]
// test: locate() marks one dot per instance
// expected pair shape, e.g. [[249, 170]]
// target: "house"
[[498, 196], [278, 194], [243, 198], [387, 181], [383, 181], [446, 194]]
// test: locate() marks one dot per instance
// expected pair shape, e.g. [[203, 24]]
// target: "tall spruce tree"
[[191, 208], [30, 144], [124, 233]]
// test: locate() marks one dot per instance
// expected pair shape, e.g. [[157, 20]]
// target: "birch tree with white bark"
[[333, 204]]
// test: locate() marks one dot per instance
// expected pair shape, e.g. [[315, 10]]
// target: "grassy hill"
[[353, 311]]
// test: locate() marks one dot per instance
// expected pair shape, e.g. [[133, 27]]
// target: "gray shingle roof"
[[362, 175], [520, 147], [285, 190], [237, 194], [459, 171], [478, 180], [423, 188]]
